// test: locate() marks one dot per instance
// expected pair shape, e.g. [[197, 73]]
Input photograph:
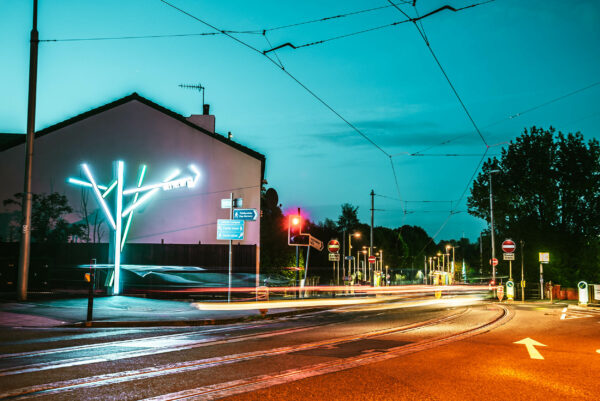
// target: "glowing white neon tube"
[[152, 186], [116, 287], [109, 189], [130, 217], [99, 196], [77, 181], [148, 195]]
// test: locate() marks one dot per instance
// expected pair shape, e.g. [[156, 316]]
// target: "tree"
[[349, 217], [547, 193], [47, 218]]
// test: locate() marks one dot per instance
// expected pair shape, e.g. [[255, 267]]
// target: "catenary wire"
[[354, 128]]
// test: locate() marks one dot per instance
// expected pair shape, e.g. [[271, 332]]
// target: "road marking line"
[[530, 344], [562, 317], [564, 310]]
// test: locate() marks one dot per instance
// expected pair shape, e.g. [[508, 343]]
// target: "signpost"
[[510, 290], [544, 258], [230, 229], [333, 246], [227, 203], [500, 292], [315, 243], [583, 293], [508, 247], [245, 214]]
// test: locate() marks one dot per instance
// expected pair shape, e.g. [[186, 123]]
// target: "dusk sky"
[[503, 57]]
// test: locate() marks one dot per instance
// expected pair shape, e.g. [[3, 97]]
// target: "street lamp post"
[[357, 235], [492, 227]]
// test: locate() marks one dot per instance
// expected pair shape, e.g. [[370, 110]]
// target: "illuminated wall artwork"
[[140, 194]]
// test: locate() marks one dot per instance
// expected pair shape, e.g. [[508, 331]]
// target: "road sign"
[[494, 262], [372, 259], [510, 290], [245, 214], [500, 292], [544, 257], [508, 246], [333, 246], [349, 258], [508, 256], [315, 243], [334, 257], [230, 229], [226, 203]]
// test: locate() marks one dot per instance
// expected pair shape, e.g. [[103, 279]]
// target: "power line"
[[176, 35], [516, 115], [324, 19], [375, 28], [284, 71], [423, 35]]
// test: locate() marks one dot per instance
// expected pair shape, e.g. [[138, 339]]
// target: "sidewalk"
[[124, 311]]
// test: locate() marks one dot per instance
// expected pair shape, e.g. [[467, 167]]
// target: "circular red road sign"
[[509, 246], [494, 262], [333, 246], [372, 259]]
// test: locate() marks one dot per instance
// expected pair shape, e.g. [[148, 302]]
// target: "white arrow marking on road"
[[530, 344]]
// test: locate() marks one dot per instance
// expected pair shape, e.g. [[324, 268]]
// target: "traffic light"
[[295, 236]]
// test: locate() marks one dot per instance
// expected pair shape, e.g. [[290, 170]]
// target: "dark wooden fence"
[[52, 263]]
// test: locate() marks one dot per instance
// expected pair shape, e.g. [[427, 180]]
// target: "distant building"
[[140, 132]]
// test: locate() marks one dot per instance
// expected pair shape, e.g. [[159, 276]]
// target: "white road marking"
[[531, 344]]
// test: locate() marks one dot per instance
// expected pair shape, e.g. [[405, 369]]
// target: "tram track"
[[221, 390], [187, 366]]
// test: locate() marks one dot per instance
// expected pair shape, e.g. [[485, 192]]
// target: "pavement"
[[127, 311]]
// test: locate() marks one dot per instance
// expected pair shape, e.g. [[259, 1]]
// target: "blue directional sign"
[[245, 214], [230, 229]]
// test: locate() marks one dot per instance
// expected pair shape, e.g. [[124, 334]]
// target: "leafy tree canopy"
[[547, 193], [47, 217]]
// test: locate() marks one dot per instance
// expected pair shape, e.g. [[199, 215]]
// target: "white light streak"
[[103, 204]]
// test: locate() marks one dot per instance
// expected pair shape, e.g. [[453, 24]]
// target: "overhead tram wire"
[[175, 35], [513, 116], [324, 19], [423, 35], [354, 128], [375, 28]]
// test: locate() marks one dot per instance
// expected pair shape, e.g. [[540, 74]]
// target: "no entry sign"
[[509, 246], [333, 246], [372, 259], [494, 262]]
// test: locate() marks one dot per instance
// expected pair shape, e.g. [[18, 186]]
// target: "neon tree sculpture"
[[121, 212]]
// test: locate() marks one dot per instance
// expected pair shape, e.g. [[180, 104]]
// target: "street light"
[[492, 226], [357, 235]]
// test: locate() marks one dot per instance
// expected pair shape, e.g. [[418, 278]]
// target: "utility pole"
[[492, 227], [25, 250], [372, 219], [522, 272], [298, 267]]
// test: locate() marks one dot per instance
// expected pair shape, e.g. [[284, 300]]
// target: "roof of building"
[[8, 141]]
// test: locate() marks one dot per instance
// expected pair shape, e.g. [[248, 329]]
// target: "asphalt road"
[[453, 349]]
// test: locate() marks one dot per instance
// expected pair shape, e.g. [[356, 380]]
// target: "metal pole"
[[298, 267], [522, 270], [492, 232], [230, 247], [23, 271], [372, 220], [541, 281], [510, 270], [343, 253]]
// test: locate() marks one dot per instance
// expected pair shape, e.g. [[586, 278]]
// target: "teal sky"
[[503, 57]]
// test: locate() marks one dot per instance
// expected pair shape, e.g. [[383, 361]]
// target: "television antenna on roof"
[[198, 87]]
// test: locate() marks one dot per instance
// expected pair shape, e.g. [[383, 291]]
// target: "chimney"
[[204, 120]]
